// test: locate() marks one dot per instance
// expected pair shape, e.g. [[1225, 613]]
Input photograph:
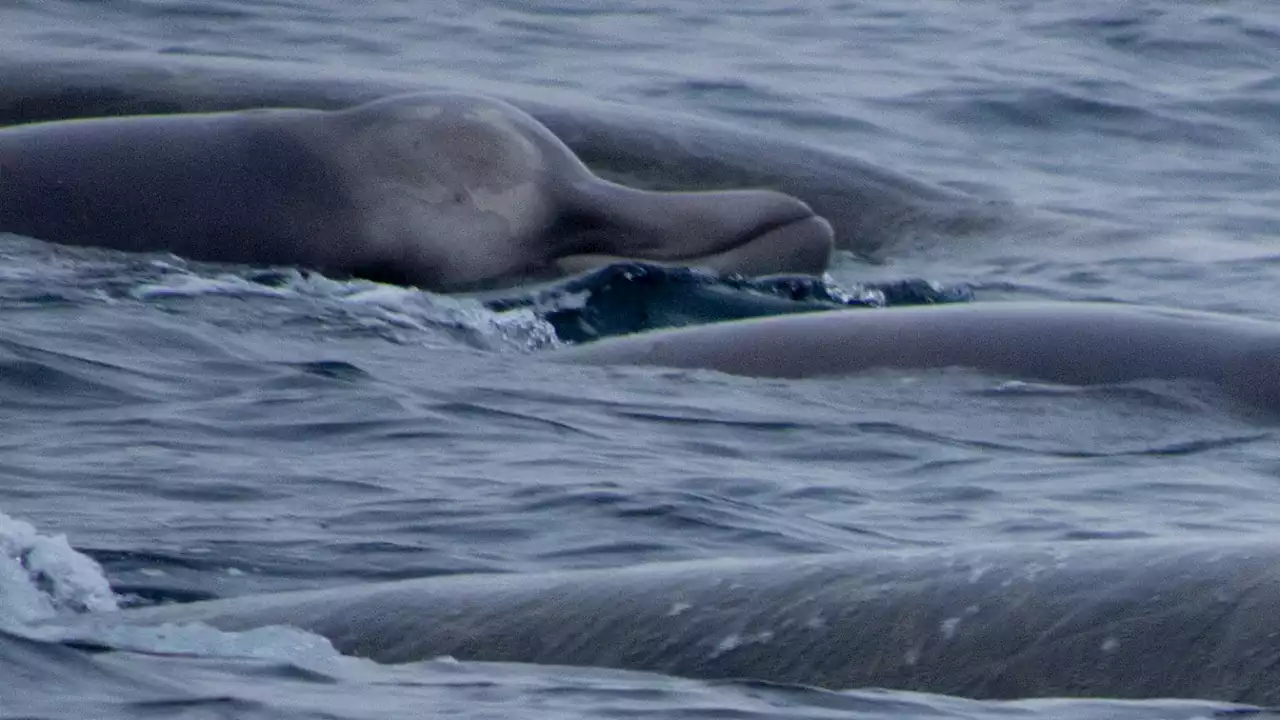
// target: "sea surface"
[[209, 431]]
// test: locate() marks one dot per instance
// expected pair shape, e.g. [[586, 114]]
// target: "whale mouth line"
[[763, 230], [751, 253]]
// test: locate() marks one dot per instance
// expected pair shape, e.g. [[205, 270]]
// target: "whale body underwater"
[[1070, 343], [1116, 619]]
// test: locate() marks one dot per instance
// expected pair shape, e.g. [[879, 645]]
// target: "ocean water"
[[211, 431]]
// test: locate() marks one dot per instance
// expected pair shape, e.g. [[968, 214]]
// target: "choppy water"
[[210, 431]]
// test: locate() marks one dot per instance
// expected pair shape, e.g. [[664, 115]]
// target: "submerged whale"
[[441, 191], [1070, 343], [872, 210], [1120, 619]]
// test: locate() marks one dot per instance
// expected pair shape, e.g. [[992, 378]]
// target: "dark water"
[[209, 431]]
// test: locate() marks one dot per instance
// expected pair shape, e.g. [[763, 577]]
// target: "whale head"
[[461, 191]]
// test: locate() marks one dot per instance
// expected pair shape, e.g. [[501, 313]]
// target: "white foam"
[[369, 305], [191, 285], [269, 643], [41, 576]]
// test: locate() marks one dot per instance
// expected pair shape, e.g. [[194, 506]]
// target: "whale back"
[[207, 187], [1102, 619]]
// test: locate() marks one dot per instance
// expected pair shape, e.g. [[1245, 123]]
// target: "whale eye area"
[[582, 230]]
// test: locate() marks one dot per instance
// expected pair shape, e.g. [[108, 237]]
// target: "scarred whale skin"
[[1119, 619]]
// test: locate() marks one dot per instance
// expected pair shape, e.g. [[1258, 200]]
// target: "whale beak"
[[747, 232]]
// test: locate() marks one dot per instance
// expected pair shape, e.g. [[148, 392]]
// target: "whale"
[[874, 212], [1071, 343], [1111, 618], [442, 191]]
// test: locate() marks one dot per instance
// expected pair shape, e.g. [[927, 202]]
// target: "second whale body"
[[1059, 342]]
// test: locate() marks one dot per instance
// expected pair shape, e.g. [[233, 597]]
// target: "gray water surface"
[[204, 433]]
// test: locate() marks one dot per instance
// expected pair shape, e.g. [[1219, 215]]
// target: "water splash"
[[42, 576]]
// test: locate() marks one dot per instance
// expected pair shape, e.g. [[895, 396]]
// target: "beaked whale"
[[439, 190], [872, 210]]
